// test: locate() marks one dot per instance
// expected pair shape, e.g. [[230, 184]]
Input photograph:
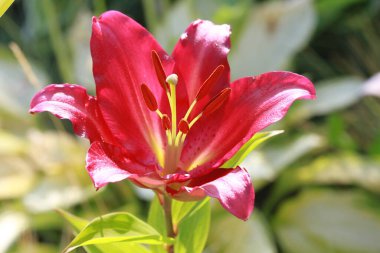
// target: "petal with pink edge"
[[254, 104], [70, 101], [121, 51], [232, 187]]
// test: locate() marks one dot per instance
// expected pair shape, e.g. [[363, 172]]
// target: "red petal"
[[121, 51], [254, 103], [107, 163], [69, 101], [232, 187], [200, 50]]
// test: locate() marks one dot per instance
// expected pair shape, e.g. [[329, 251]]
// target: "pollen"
[[183, 126], [216, 102], [149, 98], [172, 79]]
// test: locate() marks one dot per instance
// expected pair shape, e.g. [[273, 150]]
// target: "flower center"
[[176, 134]]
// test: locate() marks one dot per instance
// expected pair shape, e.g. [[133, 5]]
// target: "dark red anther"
[[210, 81], [183, 126], [216, 102], [161, 76], [149, 98], [166, 124]]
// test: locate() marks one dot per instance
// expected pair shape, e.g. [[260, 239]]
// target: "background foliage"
[[317, 185]]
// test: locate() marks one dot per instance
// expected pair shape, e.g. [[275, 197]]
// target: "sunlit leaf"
[[4, 5], [329, 221], [372, 86], [249, 146], [193, 231], [116, 228], [78, 224], [181, 209], [12, 225], [332, 95], [273, 32], [156, 218]]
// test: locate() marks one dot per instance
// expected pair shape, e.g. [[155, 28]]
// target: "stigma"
[[176, 132]]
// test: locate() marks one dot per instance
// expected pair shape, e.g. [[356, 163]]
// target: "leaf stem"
[[167, 205]]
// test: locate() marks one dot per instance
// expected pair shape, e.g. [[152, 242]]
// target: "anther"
[[183, 126], [172, 79], [210, 81], [166, 122], [149, 98], [161, 76], [216, 102]]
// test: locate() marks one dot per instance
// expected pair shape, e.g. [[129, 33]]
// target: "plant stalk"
[[167, 205]]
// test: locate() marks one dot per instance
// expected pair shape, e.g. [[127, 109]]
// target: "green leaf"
[[114, 228], [181, 209], [78, 224], [193, 230], [261, 46], [4, 5], [344, 221], [248, 147], [156, 218]]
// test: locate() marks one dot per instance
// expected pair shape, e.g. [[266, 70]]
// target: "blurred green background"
[[317, 185]]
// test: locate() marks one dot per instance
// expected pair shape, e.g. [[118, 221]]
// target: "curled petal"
[[107, 163], [253, 104], [232, 187], [70, 101]]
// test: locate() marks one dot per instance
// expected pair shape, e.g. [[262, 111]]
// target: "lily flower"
[[169, 122]]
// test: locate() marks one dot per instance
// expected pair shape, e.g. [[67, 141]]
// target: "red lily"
[[170, 122]]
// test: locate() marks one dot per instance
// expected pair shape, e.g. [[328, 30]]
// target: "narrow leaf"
[[78, 224], [181, 209], [116, 228], [193, 231], [4, 5], [156, 218], [248, 147]]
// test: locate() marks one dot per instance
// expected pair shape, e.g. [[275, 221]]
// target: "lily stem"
[[167, 205]]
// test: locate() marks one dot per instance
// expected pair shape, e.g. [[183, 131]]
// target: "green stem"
[[167, 205]]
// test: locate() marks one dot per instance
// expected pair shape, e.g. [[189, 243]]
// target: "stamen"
[[166, 122], [183, 126], [210, 81], [161, 76], [172, 79], [149, 98], [216, 102]]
